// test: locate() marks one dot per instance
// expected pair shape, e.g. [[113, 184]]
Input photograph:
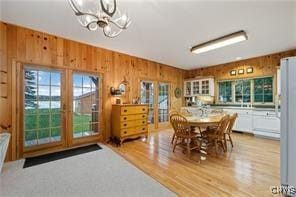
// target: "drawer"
[[133, 117], [133, 123], [133, 131], [134, 110], [264, 113]]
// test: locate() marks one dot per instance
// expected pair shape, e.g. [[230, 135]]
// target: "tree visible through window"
[[225, 91], [263, 90], [243, 91]]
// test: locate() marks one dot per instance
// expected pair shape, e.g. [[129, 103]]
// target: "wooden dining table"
[[204, 122], [210, 120]]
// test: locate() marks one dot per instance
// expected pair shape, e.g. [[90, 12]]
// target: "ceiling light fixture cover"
[[220, 42], [100, 13]]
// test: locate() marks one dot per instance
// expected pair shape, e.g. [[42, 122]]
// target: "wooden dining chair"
[[184, 136], [170, 114], [228, 132], [216, 137]]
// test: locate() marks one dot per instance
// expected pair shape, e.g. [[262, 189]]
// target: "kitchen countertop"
[[240, 108]]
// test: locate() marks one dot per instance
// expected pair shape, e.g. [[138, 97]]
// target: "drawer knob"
[[143, 116], [124, 118], [143, 129], [143, 122], [143, 109], [125, 110], [124, 132], [125, 125]]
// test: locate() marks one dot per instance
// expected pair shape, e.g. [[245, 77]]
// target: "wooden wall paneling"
[[25, 52], [46, 50], [28, 46], [74, 54], [3, 48], [263, 66], [84, 62], [65, 50], [60, 52]]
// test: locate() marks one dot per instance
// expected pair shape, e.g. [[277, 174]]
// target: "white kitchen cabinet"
[[243, 121], [187, 88], [196, 87], [266, 123], [199, 87]]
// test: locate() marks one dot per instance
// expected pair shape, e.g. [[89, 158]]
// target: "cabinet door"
[[266, 123], [205, 87], [195, 87], [212, 87], [243, 123], [187, 88]]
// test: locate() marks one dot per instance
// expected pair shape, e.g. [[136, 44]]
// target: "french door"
[[85, 104], [156, 95], [60, 109]]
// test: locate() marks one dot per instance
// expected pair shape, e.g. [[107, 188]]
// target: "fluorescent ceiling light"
[[220, 42]]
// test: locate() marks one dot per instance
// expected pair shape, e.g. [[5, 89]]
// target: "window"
[[163, 102], [85, 105], [263, 90], [42, 106], [147, 94], [258, 90], [225, 92], [243, 91]]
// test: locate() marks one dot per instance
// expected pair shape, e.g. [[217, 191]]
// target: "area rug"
[[97, 173]]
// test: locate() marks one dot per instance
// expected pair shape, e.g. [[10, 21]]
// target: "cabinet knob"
[[124, 118], [143, 129], [125, 132], [143, 122], [125, 110], [267, 113], [143, 109], [125, 125]]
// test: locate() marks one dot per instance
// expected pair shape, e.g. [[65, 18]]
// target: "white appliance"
[[288, 121]]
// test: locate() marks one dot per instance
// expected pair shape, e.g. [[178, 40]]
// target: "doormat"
[[33, 161]]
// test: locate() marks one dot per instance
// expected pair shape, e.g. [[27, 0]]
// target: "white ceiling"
[[165, 30]]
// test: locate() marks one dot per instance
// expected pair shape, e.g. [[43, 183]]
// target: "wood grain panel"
[[19, 44], [263, 66]]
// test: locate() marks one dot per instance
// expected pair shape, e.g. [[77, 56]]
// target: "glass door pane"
[[163, 102], [147, 97], [42, 106], [85, 117]]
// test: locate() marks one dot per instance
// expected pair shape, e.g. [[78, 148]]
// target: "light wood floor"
[[249, 169]]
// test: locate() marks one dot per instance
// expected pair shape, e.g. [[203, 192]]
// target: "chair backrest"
[[231, 123], [222, 126], [179, 123], [173, 112]]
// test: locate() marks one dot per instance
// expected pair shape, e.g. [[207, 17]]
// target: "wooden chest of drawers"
[[129, 121]]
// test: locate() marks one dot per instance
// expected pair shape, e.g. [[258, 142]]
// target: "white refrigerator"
[[288, 121]]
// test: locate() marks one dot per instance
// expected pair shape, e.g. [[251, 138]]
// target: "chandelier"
[[100, 13]]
